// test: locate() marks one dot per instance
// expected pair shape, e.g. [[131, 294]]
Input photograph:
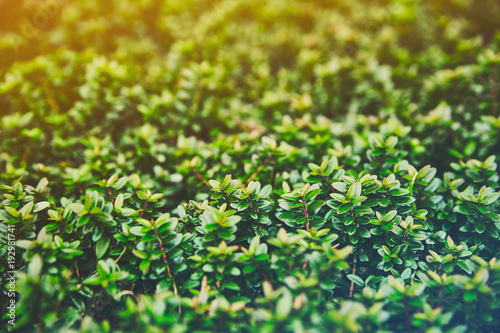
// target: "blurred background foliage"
[[141, 86], [169, 76], [175, 95]]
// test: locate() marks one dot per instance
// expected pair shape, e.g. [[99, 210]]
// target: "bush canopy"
[[249, 166]]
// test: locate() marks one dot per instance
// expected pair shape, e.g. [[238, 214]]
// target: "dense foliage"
[[250, 166]]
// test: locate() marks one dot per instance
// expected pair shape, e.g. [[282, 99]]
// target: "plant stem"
[[121, 254], [226, 198], [382, 160], [261, 270], [351, 290], [305, 212], [407, 314], [329, 185], [251, 205], [200, 177], [388, 197], [164, 256], [259, 169], [50, 96], [110, 193], [143, 209]]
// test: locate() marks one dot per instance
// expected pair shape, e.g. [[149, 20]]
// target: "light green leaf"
[[40, 206], [119, 202], [35, 266], [284, 305], [356, 279]]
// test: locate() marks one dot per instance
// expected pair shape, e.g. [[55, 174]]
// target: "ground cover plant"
[[249, 166]]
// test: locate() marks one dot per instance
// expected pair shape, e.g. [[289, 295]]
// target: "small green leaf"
[[344, 208], [284, 306], [181, 211], [465, 209], [423, 171], [339, 186], [356, 279], [26, 209], [265, 191], [470, 296], [249, 269], [35, 266], [363, 232], [361, 210], [93, 280], [470, 148], [359, 199], [102, 246], [140, 254], [40, 206], [254, 245], [120, 183], [144, 266], [119, 202], [491, 198], [406, 273], [338, 197], [435, 256], [354, 191], [396, 192], [479, 226], [390, 215]]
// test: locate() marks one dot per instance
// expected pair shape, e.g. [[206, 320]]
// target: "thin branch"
[[121, 255], [251, 204], [110, 195], [50, 96], [407, 313], [94, 301], [125, 292], [77, 270], [143, 209], [40, 324], [329, 185], [383, 160], [305, 213], [226, 198], [261, 271], [259, 169], [389, 198], [200, 177], [64, 227], [164, 256], [351, 290]]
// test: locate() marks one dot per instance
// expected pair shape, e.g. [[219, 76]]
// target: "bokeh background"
[[129, 86], [114, 113]]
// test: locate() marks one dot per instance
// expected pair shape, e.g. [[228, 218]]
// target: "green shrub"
[[406, 249], [241, 166]]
